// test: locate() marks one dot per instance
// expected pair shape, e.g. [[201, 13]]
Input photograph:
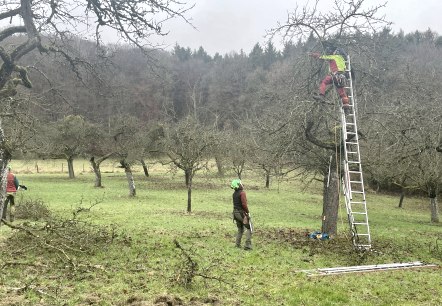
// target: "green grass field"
[[148, 251]]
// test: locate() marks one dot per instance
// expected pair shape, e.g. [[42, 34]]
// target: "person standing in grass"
[[11, 189], [241, 214]]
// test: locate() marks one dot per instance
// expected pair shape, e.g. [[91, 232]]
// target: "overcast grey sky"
[[232, 25]]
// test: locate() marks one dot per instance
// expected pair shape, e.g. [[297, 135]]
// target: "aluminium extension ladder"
[[353, 183]]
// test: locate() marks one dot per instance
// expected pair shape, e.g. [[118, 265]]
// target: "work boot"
[[346, 108]]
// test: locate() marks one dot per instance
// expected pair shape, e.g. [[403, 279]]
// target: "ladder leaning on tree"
[[353, 183]]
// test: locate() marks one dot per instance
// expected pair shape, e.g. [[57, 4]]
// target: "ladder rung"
[[353, 162], [362, 234], [352, 171], [357, 202], [357, 192], [358, 213], [360, 223]]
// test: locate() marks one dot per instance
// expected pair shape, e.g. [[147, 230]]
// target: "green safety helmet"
[[235, 184]]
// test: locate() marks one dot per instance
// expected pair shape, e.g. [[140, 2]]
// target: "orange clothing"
[[11, 183]]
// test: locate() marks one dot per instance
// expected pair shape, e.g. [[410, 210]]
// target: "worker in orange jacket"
[[11, 188]]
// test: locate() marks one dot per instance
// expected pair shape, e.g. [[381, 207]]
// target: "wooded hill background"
[[119, 101]]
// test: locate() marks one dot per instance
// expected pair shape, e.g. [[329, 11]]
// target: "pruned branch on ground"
[[188, 268], [66, 239]]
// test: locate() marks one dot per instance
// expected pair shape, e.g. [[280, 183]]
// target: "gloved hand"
[[314, 54]]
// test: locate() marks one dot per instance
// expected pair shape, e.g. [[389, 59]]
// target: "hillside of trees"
[[263, 97], [247, 111]]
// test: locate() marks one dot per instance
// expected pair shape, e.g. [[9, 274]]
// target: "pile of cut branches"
[[59, 240]]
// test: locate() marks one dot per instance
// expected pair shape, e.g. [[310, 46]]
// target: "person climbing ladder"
[[336, 61]]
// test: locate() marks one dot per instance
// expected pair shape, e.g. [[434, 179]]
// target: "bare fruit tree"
[[343, 18], [47, 25], [189, 146], [343, 21], [407, 130]]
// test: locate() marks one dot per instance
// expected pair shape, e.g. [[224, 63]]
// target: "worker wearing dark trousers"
[[241, 214]]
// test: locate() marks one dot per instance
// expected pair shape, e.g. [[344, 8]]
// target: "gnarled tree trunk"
[[5, 157], [219, 166], [70, 161], [330, 201], [188, 176], [95, 163], [129, 177], [401, 199], [267, 176], [189, 195], [96, 167], [145, 169], [434, 208]]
